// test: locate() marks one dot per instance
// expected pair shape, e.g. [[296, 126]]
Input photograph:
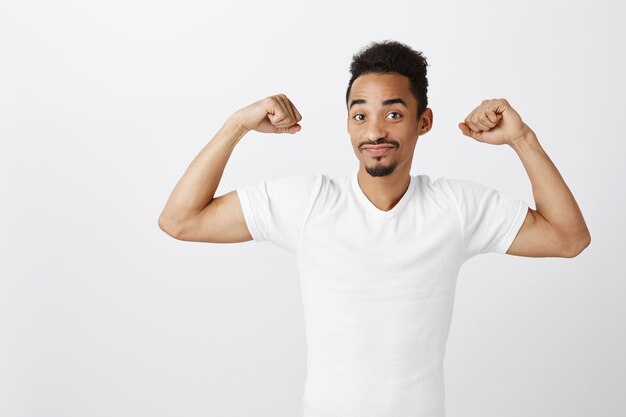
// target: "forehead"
[[378, 87]]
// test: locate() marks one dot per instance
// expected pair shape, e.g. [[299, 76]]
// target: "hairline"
[[349, 90]]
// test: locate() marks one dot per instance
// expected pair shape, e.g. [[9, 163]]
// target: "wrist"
[[235, 123], [527, 136]]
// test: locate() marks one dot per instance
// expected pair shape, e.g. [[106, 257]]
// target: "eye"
[[398, 115], [356, 117]]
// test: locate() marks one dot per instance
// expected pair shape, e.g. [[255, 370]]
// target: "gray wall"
[[105, 104]]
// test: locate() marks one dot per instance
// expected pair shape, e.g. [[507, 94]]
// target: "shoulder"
[[291, 186], [455, 184], [453, 192], [435, 183], [282, 194], [438, 186], [460, 189], [299, 180]]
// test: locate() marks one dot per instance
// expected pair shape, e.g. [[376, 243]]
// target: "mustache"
[[391, 142]]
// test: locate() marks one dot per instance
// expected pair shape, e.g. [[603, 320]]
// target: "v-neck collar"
[[370, 207]]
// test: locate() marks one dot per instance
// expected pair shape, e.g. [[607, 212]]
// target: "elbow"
[[169, 227], [580, 245]]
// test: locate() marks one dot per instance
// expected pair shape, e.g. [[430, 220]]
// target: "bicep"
[[221, 221], [537, 238]]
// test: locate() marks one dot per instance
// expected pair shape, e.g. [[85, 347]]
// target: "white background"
[[103, 105]]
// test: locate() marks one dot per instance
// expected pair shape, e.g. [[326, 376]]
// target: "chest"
[[423, 237]]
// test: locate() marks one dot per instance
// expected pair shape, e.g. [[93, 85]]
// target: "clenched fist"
[[273, 114], [494, 122]]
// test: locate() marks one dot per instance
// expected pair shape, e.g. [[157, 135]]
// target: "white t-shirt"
[[378, 286]]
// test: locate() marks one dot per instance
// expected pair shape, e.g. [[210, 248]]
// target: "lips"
[[378, 150], [377, 146]]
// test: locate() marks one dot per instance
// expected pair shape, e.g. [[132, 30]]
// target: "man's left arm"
[[557, 227]]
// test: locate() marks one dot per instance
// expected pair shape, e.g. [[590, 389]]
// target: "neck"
[[385, 192]]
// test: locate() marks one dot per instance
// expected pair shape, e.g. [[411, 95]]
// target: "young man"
[[379, 250]]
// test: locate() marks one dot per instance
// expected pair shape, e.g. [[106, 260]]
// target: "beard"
[[380, 170]]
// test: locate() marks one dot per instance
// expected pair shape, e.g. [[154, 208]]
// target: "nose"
[[375, 130]]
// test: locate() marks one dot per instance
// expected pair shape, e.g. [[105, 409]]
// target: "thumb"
[[292, 129], [476, 135], [464, 129]]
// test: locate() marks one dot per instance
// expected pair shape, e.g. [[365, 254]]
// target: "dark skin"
[[371, 121], [385, 112]]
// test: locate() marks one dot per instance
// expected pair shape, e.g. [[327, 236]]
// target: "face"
[[382, 122]]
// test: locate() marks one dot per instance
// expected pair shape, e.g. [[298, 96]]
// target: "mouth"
[[378, 150]]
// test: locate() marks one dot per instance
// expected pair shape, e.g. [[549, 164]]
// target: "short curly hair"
[[392, 56]]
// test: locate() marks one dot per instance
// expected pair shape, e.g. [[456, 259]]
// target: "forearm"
[[196, 188], [553, 199]]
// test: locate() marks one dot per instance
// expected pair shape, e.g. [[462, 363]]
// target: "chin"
[[380, 170]]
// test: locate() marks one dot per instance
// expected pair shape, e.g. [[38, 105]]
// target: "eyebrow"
[[387, 102]]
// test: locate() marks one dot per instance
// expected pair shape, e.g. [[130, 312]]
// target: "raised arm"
[[192, 212], [557, 228]]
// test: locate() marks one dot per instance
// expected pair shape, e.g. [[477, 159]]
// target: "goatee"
[[381, 170]]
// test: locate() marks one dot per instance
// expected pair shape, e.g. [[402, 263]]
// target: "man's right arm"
[[192, 212]]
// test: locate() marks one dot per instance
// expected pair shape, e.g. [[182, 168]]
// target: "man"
[[379, 250]]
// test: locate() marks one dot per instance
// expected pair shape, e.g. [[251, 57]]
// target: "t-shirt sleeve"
[[276, 210], [489, 219]]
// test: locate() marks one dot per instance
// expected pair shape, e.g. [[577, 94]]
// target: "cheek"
[[352, 127], [354, 133]]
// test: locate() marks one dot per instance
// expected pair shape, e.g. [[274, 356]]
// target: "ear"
[[425, 122]]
